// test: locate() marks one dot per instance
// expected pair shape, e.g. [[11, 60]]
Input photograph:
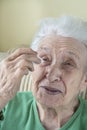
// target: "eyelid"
[[72, 64], [45, 59], [67, 63], [44, 56], [45, 62]]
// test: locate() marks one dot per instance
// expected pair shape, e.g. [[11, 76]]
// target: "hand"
[[12, 69]]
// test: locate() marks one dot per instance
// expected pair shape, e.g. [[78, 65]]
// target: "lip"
[[51, 91]]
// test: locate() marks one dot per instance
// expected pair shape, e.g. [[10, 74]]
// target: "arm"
[[12, 69]]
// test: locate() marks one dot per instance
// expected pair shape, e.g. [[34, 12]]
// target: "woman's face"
[[60, 76]]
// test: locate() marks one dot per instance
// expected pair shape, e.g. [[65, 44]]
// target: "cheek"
[[72, 79], [72, 84], [37, 75]]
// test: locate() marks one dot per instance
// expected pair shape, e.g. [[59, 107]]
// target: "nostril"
[[58, 78], [53, 77], [53, 73]]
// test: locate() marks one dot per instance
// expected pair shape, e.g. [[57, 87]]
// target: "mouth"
[[51, 91]]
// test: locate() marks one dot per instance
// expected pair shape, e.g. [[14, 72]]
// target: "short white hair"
[[67, 26]]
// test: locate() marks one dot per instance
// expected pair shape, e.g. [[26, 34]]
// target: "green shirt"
[[21, 114]]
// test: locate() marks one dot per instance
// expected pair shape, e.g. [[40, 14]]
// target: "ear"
[[83, 83]]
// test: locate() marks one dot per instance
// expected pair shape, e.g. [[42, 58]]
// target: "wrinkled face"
[[60, 76]]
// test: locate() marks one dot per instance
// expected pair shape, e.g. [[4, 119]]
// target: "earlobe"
[[84, 84], [86, 79]]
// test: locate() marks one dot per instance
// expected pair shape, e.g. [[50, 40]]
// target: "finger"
[[28, 58], [34, 59], [21, 51], [23, 70], [23, 65], [30, 66]]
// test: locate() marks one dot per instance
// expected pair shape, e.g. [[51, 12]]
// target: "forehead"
[[55, 44]]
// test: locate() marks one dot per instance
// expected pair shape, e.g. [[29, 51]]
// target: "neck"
[[54, 118]]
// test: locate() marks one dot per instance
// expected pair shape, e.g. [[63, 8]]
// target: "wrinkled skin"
[[58, 79], [61, 68], [12, 69]]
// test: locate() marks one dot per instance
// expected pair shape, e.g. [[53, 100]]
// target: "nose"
[[53, 73]]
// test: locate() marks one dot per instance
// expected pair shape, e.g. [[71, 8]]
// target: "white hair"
[[67, 26]]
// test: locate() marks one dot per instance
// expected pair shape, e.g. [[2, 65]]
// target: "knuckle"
[[29, 49], [22, 62], [19, 50], [5, 64], [23, 57]]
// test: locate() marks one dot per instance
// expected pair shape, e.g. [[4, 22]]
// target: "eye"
[[45, 60], [68, 64]]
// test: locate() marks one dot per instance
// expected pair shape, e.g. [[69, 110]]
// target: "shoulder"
[[84, 105], [18, 110], [21, 99], [84, 112], [24, 96]]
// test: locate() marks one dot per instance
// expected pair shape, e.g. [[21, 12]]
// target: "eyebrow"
[[45, 48], [73, 54], [68, 52]]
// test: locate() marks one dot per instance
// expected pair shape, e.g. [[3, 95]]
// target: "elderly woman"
[[59, 73]]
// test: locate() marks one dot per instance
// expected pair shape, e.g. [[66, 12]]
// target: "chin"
[[49, 100]]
